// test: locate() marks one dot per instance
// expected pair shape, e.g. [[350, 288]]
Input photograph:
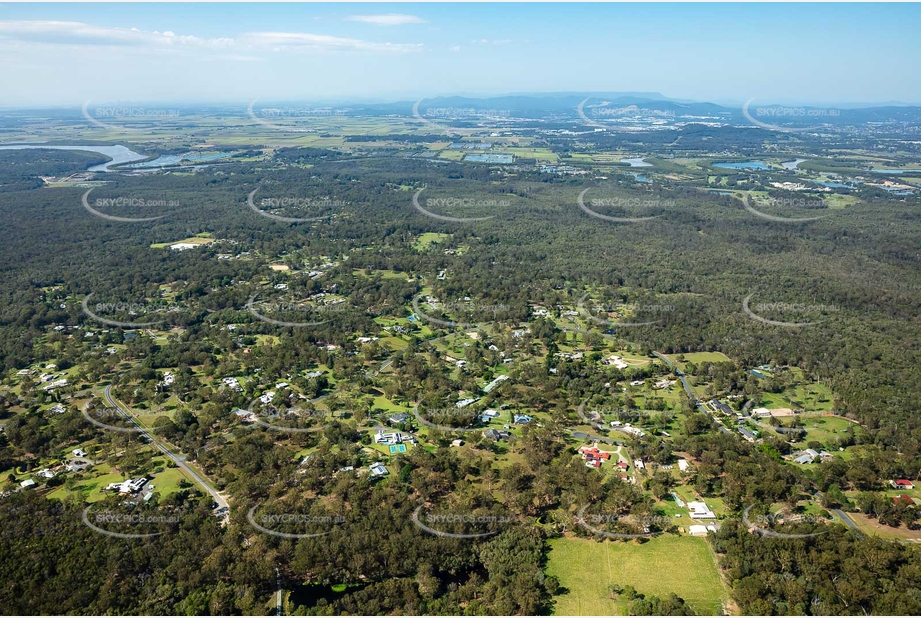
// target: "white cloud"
[[493, 42], [277, 40], [77, 34], [390, 19]]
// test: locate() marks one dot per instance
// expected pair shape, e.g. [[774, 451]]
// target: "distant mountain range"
[[596, 107]]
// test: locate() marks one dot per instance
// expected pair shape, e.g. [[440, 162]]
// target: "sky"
[[69, 54]]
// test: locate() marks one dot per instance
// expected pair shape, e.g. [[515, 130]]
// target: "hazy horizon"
[[63, 55]]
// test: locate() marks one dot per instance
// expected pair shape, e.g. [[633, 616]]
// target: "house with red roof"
[[902, 484]]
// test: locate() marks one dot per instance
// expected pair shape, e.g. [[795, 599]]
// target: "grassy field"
[[681, 564], [427, 239], [872, 527], [826, 428], [809, 396], [699, 357], [198, 239]]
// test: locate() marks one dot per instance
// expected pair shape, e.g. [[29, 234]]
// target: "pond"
[[743, 165]]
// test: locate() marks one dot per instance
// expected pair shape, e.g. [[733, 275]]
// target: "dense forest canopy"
[[227, 310]]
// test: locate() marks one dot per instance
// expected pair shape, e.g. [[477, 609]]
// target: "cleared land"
[[681, 564]]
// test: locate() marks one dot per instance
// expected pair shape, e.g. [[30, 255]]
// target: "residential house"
[[245, 415], [683, 465], [488, 415], [749, 435], [397, 419], [393, 438], [522, 419], [128, 486], [902, 484], [664, 383], [496, 434], [378, 470], [700, 510], [701, 530], [496, 382]]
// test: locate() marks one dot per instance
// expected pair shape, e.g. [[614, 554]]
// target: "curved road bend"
[[178, 459]]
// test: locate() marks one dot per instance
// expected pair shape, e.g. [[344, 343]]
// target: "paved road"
[[278, 611], [694, 400], [848, 522], [841, 514], [178, 459]]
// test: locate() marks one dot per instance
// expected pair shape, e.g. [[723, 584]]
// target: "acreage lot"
[[699, 357], [681, 564]]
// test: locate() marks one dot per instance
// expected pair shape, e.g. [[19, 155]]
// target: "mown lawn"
[[681, 564]]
